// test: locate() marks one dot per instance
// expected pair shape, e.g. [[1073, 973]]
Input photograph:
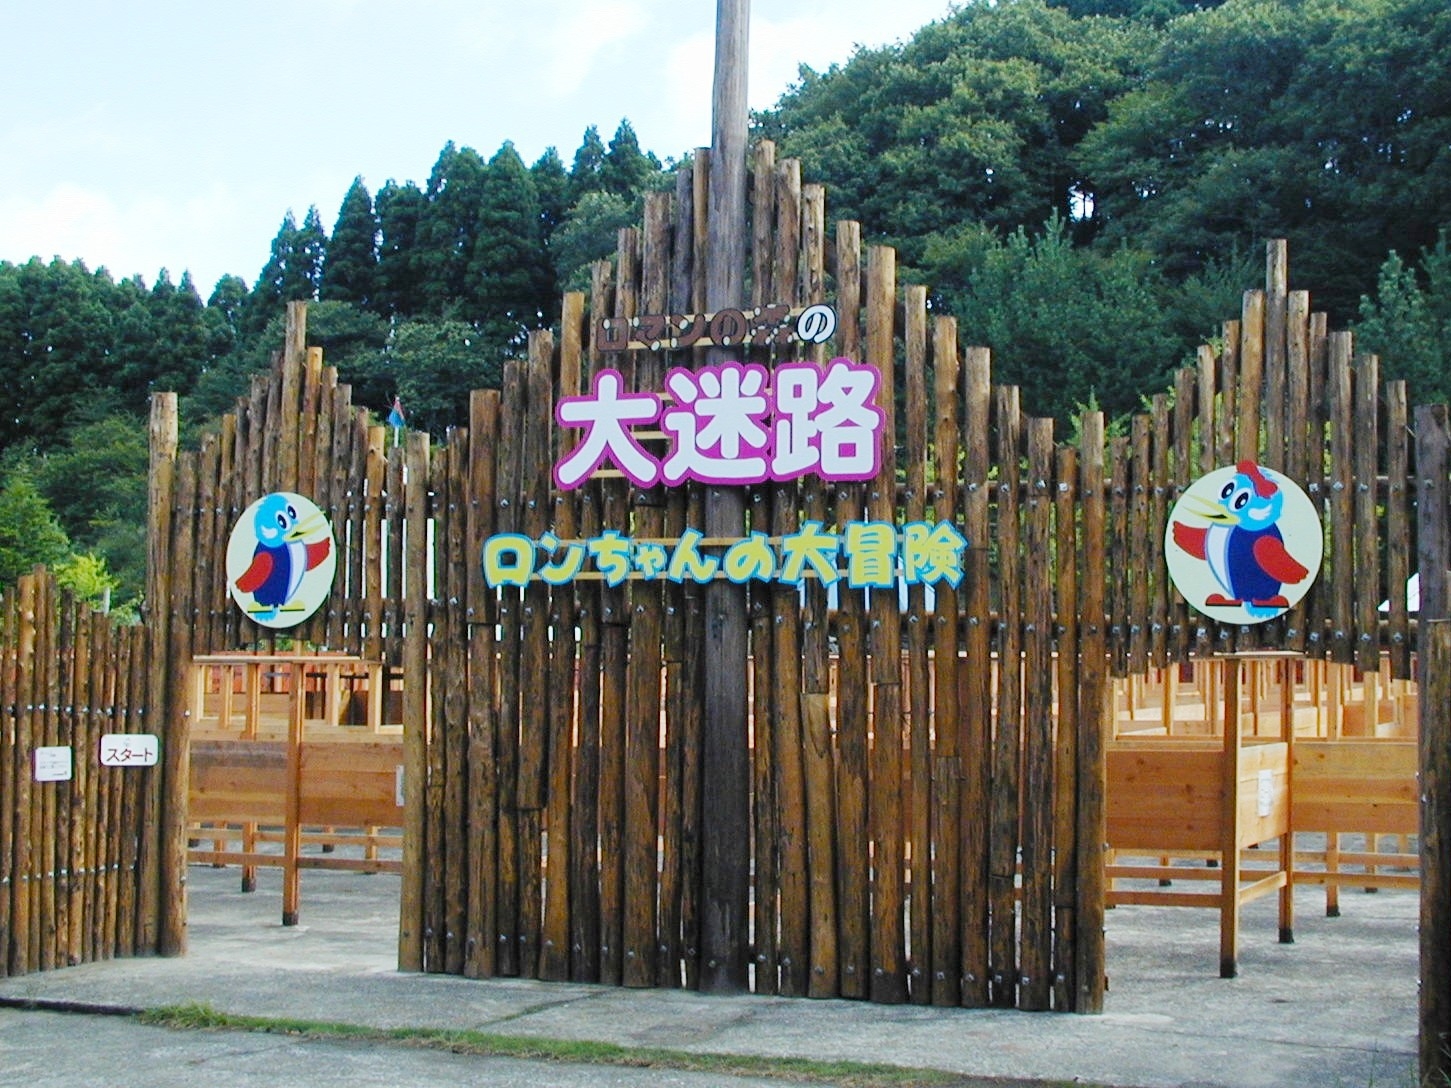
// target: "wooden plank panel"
[[415, 706]]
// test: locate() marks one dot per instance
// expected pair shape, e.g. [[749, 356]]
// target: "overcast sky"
[[175, 134]]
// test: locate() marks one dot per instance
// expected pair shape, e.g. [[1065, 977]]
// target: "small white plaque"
[[53, 764], [129, 750], [398, 786], [1266, 792]]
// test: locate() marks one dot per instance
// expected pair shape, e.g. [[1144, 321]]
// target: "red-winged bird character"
[[1242, 543], [282, 557]]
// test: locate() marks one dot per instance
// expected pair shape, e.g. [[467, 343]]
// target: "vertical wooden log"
[[10, 704], [945, 836], [1342, 500], [976, 679], [1118, 544], [21, 912], [481, 923], [680, 720], [1229, 860], [415, 706], [176, 745], [159, 559], [1093, 696], [1368, 589], [1435, 842], [816, 676], [1318, 485], [453, 653], [1433, 523], [615, 614], [554, 951], [1035, 979], [854, 893], [1398, 525], [1276, 319], [1065, 757], [1003, 830], [1249, 410], [1161, 439], [1230, 385], [1139, 530], [534, 666], [292, 802], [726, 854], [917, 779], [284, 425], [1180, 623], [888, 940], [368, 523], [782, 603], [82, 814]]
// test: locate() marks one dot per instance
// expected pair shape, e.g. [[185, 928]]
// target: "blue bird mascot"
[[1242, 543], [283, 555]]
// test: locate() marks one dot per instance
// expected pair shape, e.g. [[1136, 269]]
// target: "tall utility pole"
[[725, 793]]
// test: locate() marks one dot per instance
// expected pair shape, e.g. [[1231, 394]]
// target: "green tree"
[[1324, 121], [57, 335], [589, 233], [627, 171], [1408, 322], [96, 485], [29, 531], [350, 266], [512, 285], [448, 228], [1067, 324], [551, 186], [432, 366], [400, 276], [292, 271], [584, 173], [975, 119]]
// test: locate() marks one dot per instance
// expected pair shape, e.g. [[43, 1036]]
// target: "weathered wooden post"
[[162, 853], [726, 766], [1433, 441]]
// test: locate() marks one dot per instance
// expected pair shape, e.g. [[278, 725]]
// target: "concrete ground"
[[1336, 1009]]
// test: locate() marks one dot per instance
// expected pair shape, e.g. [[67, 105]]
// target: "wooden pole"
[[1435, 1016], [725, 874], [157, 867], [1433, 447]]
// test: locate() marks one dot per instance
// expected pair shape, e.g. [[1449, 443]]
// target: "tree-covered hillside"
[[1086, 184]]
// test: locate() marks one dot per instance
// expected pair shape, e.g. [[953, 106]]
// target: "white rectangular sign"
[[1266, 792], [398, 786], [129, 750], [53, 764]]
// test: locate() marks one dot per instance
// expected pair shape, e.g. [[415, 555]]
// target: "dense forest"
[[1086, 184]]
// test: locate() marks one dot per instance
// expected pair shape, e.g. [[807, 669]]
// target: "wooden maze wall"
[[554, 735]]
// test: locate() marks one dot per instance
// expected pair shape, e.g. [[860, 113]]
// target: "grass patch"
[[842, 1074]]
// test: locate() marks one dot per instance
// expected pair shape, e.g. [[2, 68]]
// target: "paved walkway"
[[1336, 1009]]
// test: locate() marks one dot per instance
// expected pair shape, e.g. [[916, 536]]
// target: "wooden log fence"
[[926, 809]]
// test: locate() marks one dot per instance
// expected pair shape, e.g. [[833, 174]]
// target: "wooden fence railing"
[[79, 863]]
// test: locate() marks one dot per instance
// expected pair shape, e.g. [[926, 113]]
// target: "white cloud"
[[139, 236]]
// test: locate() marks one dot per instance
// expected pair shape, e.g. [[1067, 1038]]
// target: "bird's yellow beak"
[[306, 528], [1209, 511]]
